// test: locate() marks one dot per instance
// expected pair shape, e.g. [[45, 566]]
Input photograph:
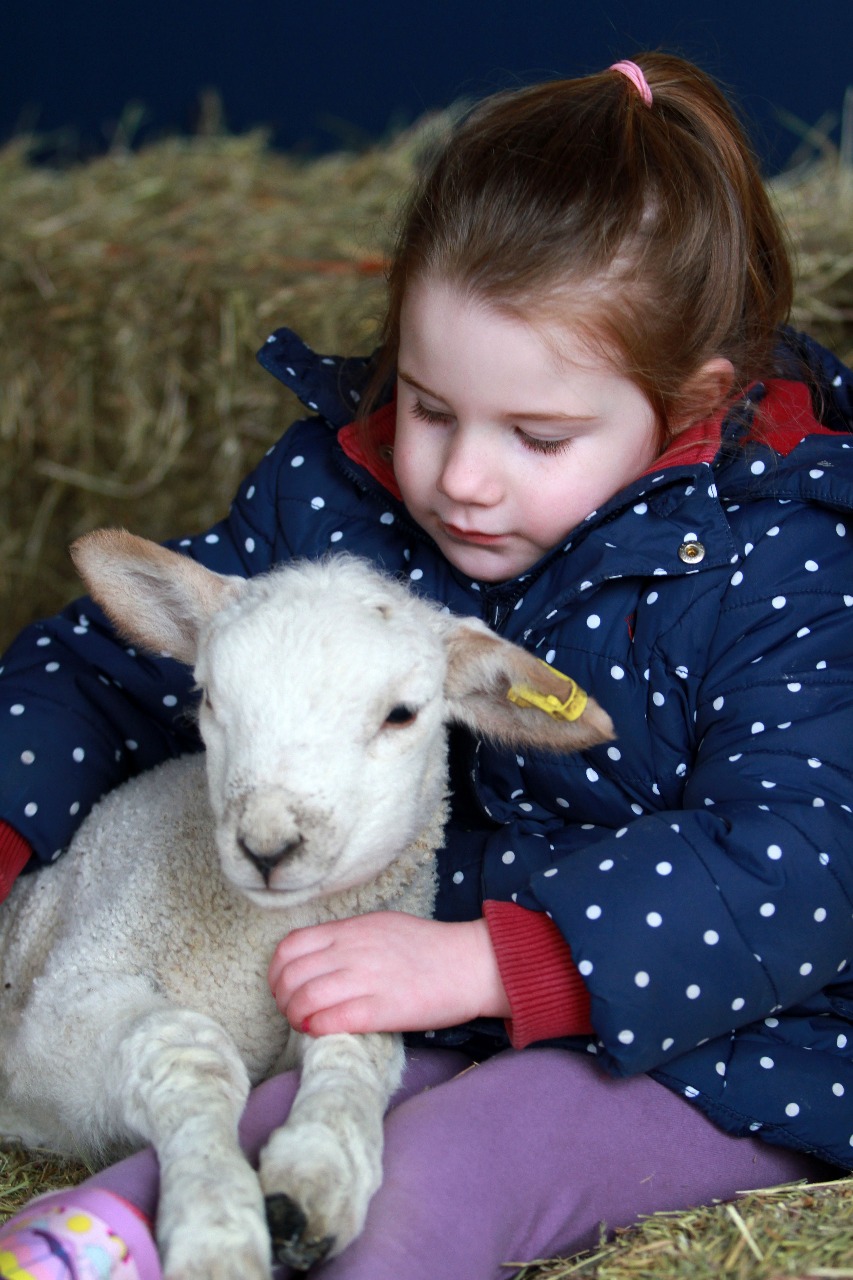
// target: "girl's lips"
[[471, 535]]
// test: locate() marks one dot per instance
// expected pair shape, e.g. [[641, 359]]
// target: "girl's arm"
[[388, 971], [690, 923]]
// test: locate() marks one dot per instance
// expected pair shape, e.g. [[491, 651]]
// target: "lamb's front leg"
[[184, 1090], [320, 1169]]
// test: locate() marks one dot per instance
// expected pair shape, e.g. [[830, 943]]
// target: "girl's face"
[[504, 441]]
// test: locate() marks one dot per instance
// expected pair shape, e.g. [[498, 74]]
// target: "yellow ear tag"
[[571, 709]]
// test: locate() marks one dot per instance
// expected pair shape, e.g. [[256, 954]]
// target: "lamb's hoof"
[[287, 1224]]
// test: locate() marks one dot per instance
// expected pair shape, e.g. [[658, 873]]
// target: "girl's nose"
[[469, 472]]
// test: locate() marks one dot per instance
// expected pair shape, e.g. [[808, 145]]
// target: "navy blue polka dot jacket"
[[700, 868]]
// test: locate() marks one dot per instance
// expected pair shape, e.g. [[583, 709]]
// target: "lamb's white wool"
[[135, 1004]]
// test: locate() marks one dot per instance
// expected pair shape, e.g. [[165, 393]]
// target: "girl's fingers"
[[301, 998], [355, 1017], [302, 943]]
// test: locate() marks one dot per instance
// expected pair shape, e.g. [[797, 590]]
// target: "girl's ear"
[[704, 393]]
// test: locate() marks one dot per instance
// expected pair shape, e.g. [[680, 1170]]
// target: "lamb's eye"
[[206, 700], [401, 715]]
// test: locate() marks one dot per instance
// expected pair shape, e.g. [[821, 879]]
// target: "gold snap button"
[[691, 552]]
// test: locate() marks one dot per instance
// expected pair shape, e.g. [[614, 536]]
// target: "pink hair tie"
[[638, 80]]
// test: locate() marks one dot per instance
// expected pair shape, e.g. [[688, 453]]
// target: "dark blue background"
[[330, 72]]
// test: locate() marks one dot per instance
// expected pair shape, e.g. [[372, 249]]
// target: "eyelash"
[[428, 415], [535, 445], [542, 446]]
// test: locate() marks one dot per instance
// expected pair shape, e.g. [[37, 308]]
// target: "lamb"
[[136, 1008]]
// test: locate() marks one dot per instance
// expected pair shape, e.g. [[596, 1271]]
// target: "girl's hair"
[[646, 226]]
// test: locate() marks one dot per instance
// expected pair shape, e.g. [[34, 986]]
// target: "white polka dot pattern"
[[698, 864]]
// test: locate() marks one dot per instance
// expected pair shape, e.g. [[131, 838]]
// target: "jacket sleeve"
[[14, 856], [547, 996], [82, 711], [690, 923]]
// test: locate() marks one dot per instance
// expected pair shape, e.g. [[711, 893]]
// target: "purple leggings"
[[518, 1158]]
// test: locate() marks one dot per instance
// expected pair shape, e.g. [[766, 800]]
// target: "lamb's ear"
[[154, 597], [501, 691]]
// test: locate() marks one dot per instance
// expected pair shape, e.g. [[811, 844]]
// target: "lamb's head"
[[327, 688]]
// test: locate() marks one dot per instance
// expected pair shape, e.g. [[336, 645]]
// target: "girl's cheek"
[[407, 459]]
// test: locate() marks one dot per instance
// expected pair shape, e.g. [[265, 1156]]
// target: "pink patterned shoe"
[[79, 1234]]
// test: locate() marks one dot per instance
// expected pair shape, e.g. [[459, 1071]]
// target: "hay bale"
[[816, 203], [134, 292]]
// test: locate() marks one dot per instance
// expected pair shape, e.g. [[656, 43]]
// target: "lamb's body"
[[217, 960], [135, 1001]]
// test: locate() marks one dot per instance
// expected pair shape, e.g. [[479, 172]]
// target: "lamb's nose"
[[267, 862]]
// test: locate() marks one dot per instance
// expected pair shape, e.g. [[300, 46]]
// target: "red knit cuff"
[[14, 855], [546, 993]]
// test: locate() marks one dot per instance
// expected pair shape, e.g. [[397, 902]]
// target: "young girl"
[[585, 426]]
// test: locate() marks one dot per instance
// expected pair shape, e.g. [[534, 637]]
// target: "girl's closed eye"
[[536, 444], [425, 414]]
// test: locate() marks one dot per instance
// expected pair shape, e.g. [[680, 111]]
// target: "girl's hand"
[[386, 971]]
